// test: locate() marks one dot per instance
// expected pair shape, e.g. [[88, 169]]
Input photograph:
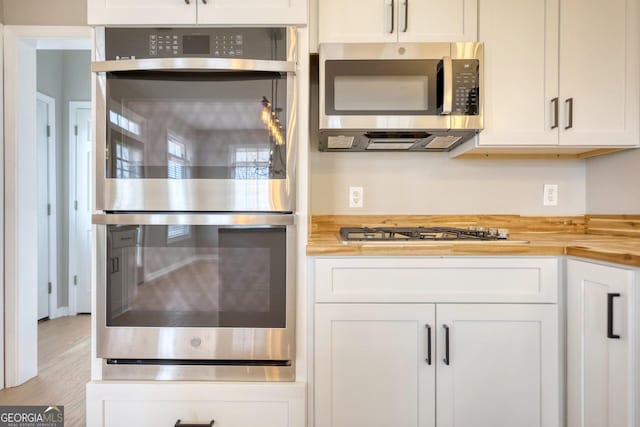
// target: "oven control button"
[[195, 342]]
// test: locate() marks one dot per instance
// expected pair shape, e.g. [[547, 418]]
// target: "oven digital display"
[[196, 45]]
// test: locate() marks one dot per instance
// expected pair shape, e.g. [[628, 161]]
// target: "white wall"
[[64, 75], [45, 12], [431, 183], [613, 183]]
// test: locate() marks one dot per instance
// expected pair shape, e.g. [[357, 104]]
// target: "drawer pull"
[[181, 424]]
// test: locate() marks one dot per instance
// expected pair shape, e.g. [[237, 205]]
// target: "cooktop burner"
[[392, 234]]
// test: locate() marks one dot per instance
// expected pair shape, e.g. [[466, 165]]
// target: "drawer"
[[162, 403], [225, 414], [459, 279]]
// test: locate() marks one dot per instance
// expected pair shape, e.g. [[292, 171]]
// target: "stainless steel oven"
[[195, 119], [191, 296]]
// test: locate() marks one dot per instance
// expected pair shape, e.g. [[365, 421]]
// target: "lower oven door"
[[194, 288]]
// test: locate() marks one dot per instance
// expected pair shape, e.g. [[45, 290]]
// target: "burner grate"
[[386, 234]]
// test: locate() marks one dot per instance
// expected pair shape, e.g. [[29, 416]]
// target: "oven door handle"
[[193, 64], [194, 219]]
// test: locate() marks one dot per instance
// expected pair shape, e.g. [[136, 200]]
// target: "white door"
[[437, 20], [344, 21], [42, 135], [500, 367], [599, 352], [252, 12], [80, 199], [600, 64], [371, 365], [520, 71], [139, 12]]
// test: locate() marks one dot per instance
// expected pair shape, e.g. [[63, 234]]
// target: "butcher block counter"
[[611, 238]]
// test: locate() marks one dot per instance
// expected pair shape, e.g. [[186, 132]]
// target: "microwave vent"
[[340, 142], [443, 141]]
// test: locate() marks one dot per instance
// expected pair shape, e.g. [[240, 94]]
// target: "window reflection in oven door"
[[190, 286]]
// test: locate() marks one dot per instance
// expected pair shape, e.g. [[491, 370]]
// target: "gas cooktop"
[[421, 234]]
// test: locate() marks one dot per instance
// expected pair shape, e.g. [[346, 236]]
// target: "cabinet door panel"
[[344, 21], [598, 367], [370, 365], [252, 12], [153, 12], [520, 71], [600, 53], [437, 20], [503, 366]]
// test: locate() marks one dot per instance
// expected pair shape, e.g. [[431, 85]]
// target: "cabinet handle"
[[446, 345], [405, 6], [187, 1], [428, 344], [610, 333], [554, 103], [181, 424], [204, 1], [391, 5], [570, 102]]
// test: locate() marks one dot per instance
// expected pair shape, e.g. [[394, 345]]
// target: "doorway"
[[38, 215]]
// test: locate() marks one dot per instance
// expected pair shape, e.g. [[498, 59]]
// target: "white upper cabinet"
[[600, 57], [127, 12], [388, 21], [560, 72], [520, 71], [181, 12]]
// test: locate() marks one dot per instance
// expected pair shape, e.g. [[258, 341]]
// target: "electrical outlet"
[[356, 197], [550, 194]]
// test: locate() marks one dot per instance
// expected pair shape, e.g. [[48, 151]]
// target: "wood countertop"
[[529, 236]]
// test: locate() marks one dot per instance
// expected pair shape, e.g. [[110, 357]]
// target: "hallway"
[[64, 368]]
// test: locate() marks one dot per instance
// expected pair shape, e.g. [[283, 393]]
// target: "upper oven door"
[[195, 134], [384, 86], [195, 286]]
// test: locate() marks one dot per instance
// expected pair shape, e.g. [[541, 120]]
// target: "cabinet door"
[[153, 12], [600, 54], [502, 366], [437, 20], [371, 365], [344, 21], [520, 71], [598, 367], [252, 12]]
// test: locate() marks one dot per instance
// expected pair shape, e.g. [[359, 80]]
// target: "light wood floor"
[[64, 368]]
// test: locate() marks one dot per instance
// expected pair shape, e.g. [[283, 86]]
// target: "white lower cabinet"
[[601, 330], [464, 364], [376, 366], [156, 404]]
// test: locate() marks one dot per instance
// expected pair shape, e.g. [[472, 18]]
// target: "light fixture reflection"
[[272, 122]]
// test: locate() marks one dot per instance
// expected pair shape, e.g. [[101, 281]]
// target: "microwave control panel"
[[466, 90], [243, 43]]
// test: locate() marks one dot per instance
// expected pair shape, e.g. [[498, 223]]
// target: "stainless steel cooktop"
[[423, 234]]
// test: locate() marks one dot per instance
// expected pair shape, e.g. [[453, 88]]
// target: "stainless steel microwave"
[[399, 96]]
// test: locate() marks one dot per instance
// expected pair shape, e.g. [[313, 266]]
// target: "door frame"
[[52, 218], [20, 219], [74, 106]]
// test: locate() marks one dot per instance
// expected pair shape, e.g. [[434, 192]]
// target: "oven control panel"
[[466, 90], [247, 43]]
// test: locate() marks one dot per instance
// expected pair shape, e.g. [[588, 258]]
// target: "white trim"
[[2, 243], [20, 43], [74, 106], [52, 219]]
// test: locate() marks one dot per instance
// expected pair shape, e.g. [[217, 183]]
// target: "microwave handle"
[[447, 101], [193, 64]]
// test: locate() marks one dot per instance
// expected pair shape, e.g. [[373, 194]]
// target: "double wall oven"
[[195, 193]]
